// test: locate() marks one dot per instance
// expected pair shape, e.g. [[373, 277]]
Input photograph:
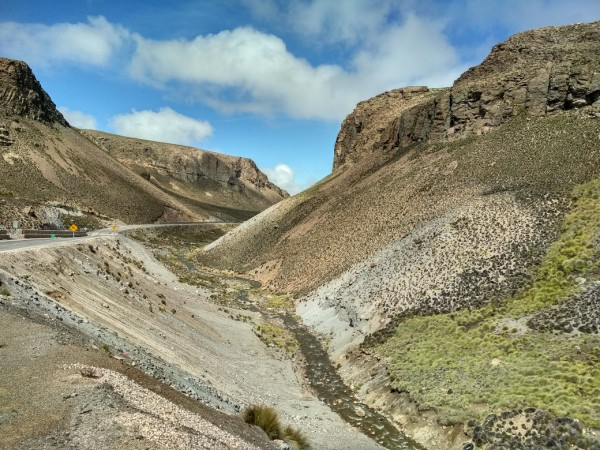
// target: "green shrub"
[[5, 292], [263, 417]]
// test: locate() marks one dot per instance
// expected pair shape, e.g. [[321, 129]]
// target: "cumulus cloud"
[[245, 70], [284, 177], [164, 125], [79, 119], [366, 50], [93, 43]]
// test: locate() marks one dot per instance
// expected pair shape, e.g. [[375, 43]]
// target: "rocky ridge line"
[[539, 72], [22, 94]]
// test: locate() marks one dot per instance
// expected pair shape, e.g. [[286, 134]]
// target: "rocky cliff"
[[539, 73], [206, 176], [22, 95]]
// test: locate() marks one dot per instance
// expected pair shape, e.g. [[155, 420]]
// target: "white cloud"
[[79, 119], [245, 70], [284, 177], [165, 125], [255, 67], [349, 21], [94, 42]]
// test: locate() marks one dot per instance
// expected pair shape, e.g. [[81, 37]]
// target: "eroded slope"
[[50, 170], [218, 183]]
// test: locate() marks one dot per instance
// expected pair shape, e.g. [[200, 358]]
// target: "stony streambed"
[[330, 388], [327, 384], [324, 380]]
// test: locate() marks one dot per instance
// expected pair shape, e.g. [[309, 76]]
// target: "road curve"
[[20, 244]]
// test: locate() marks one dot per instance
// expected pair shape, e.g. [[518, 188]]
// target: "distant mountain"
[[453, 221], [49, 169], [219, 184]]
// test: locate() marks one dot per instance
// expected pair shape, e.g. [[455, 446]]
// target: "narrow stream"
[[327, 383], [330, 388]]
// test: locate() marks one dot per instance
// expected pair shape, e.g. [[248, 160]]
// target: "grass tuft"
[[295, 438], [263, 417]]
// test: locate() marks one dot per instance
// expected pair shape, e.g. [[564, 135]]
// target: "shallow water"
[[330, 388]]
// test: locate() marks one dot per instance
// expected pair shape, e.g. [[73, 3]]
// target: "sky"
[[270, 80]]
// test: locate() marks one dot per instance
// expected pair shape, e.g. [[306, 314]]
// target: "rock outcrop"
[[180, 168], [5, 139], [539, 73], [45, 161], [22, 95]]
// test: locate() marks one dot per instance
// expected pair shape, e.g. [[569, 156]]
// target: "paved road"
[[27, 243]]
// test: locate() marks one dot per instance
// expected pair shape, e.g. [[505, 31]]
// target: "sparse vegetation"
[[476, 356], [295, 438], [5, 292], [267, 418], [275, 335]]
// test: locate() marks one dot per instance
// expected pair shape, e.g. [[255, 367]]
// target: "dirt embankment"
[[128, 305]]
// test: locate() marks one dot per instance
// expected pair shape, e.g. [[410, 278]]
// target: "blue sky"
[[266, 79]]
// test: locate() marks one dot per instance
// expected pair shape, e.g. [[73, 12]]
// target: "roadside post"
[[73, 228]]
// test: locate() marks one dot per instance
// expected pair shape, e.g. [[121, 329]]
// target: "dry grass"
[[267, 418], [445, 361]]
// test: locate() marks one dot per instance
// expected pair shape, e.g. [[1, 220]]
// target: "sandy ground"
[[113, 291]]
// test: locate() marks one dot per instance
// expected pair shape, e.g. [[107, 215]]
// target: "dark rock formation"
[[22, 95], [5, 139], [528, 428], [539, 73], [581, 314]]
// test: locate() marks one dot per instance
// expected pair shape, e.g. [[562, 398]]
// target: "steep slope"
[[212, 181], [50, 169], [441, 203], [406, 156]]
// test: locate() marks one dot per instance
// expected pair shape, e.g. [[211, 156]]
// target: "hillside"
[[462, 225], [199, 178], [49, 170]]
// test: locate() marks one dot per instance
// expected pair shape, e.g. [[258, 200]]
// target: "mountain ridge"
[[52, 171]]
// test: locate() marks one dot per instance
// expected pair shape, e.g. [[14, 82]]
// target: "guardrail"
[[32, 234], [4, 235]]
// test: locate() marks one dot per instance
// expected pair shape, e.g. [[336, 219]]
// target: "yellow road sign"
[[114, 228], [73, 228]]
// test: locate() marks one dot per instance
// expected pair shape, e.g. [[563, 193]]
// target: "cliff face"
[[49, 169], [22, 95], [539, 73], [203, 175]]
